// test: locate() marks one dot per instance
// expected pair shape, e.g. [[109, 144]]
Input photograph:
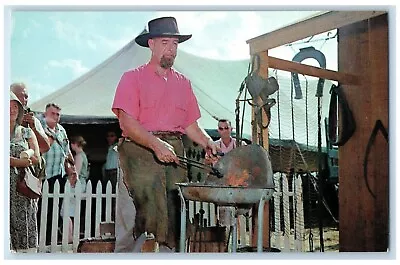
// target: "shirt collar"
[[153, 69]]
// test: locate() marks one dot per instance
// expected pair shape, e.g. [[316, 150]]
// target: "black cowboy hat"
[[161, 27]]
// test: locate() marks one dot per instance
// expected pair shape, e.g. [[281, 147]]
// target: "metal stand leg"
[[260, 225], [234, 234], [183, 222]]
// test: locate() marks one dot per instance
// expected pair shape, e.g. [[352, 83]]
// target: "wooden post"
[[263, 72], [364, 215], [363, 53]]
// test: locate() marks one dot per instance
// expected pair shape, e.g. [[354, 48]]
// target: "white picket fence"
[[282, 236], [79, 196]]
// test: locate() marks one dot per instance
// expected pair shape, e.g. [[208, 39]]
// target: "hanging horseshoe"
[[306, 53]]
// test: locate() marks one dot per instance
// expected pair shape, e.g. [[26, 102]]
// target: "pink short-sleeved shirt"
[[226, 149], [158, 104]]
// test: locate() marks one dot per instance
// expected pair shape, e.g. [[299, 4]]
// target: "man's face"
[[22, 95], [52, 115], [164, 49], [111, 138], [224, 129]]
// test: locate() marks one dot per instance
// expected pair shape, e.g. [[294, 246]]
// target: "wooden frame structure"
[[356, 29], [320, 23]]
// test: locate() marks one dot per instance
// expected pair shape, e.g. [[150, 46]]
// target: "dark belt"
[[162, 134], [167, 134]]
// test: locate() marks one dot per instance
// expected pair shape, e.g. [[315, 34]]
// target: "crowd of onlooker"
[[62, 157]]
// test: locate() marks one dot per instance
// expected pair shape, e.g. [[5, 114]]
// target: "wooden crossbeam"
[[321, 23], [300, 68]]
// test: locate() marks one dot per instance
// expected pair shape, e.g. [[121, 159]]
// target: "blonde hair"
[[79, 140]]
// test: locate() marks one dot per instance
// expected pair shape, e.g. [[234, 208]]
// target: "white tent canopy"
[[215, 83]]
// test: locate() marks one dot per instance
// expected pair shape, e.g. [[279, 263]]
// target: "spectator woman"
[[81, 161], [82, 170], [23, 210]]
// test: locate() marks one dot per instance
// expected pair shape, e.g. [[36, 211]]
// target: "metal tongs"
[[212, 170]]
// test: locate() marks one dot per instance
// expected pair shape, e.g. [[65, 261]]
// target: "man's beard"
[[167, 62]]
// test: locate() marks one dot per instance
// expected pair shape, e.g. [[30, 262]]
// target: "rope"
[[306, 109], [244, 110], [239, 141], [320, 198], [316, 40], [291, 104], [313, 181]]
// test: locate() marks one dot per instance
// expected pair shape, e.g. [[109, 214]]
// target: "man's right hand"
[[211, 159], [28, 120], [165, 152]]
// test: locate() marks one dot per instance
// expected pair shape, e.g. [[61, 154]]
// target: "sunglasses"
[[223, 128]]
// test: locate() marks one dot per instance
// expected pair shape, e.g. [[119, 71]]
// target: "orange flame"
[[238, 180]]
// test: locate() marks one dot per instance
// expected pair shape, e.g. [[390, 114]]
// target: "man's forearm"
[[135, 131], [198, 135], [71, 157], [43, 141]]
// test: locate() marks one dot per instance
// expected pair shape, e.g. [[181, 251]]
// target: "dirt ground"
[[331, 239]]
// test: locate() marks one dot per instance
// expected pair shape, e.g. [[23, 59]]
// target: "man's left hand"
[[212, 149]]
